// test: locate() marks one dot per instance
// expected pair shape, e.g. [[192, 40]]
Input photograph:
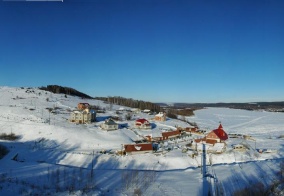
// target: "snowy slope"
[[51, 153]]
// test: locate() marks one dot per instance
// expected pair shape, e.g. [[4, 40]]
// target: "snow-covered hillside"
[[54, 156]]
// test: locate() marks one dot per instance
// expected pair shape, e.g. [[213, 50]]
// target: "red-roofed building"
[[215, 136], [207, 141], [138, 148], [218, 134], [143, 124]]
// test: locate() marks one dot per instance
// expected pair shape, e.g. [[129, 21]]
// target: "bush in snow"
[[3, 151], [10, 137]]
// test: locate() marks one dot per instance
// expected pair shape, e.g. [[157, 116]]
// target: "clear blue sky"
[[154, 50]]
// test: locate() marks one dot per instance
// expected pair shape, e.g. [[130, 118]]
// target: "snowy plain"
[[56, 157]]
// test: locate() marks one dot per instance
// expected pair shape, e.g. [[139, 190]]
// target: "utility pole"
[[204, 177], [92, 169], [255, 144], [49, 118]]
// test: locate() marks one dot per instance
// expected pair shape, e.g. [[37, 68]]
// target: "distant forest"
[[131, 103], [64, 90], [172, 112]]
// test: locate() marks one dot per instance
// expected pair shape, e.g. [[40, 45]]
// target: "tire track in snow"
[[247, 123]]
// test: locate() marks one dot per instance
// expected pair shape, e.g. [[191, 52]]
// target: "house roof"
[[170, 133], [190, 129], [110, 122], [221, 133], [84, 103], [142, 120], [137, 147], [161, 114]]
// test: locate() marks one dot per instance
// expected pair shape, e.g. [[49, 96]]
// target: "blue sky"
[[158, 50]]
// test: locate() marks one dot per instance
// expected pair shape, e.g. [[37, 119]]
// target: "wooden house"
[[171, 134], [191, 129]]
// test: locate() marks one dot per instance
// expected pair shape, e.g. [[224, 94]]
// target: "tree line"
[[128, 102]]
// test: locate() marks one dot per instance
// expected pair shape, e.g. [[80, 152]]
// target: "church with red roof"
[[215, 136], [219, 135]]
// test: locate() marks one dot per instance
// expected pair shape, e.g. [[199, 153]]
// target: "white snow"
[[54, 154]]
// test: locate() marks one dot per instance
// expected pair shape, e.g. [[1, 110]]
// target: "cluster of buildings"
[[85, 114], [216, 137]]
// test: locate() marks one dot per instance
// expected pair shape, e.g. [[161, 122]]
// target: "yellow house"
[[81, 117], [161, 116]]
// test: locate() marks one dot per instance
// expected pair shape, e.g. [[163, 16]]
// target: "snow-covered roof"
[[142, 120], [110, 122], [161, 114]]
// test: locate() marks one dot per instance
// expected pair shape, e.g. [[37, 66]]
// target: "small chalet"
[[218, 134], [171, 134], [239, 147], [143, 124], [109, 124], [146, 111], [82, 106], [135, 110], [82, 117], [138, 148], [161, 116]]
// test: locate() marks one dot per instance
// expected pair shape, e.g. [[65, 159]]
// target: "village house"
[[109, 124], [191, 129], [82, 117], [83, 106], [138, 148], [135, 110], [146, 111], [239, 147], [143, 124], [165, 136], [171, 134], [161, 116]]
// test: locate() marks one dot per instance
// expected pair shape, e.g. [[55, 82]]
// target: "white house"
[[109, 124], [143, 124]]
